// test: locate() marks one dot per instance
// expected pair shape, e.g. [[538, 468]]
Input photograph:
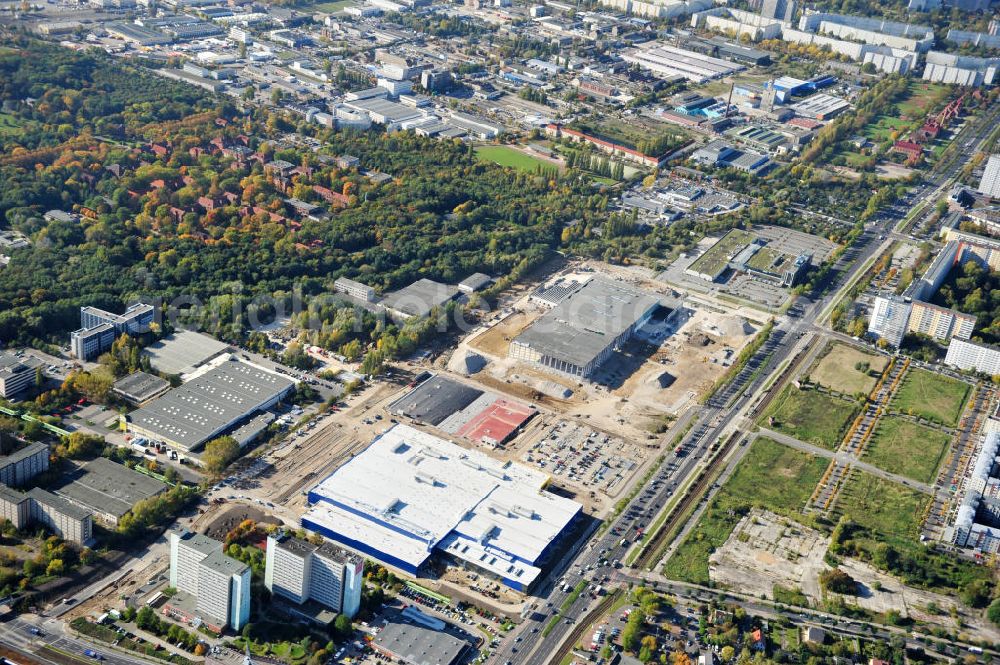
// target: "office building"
[[99, 328], [19, 466], [61, 517], [581, 332], [210, 586], [15, 507], [890, 318], [203, 408], [17, 373], [783, 10], [354, 289], [966, 355], [938, 322], [990, 182], [410, 496], [300, 571]]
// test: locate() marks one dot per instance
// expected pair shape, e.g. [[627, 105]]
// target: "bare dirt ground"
[[494, 342], [766, 549], [648, 380]]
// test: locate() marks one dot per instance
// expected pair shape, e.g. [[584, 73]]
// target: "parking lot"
[[584, 457]]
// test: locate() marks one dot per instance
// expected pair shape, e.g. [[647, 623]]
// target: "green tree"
[[219, 453]]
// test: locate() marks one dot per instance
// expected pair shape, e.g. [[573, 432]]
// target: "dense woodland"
[[138, 156]]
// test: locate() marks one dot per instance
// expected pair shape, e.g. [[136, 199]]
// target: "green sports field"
[[504, 156]]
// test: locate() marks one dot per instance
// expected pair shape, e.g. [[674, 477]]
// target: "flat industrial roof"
[[183, 351], [103, 486], [434, 400], [410, 491], [199, 542], [420, 646], [140, 386], [420, 297], [226, 565], [11, 365], [190, 415], [584, 323]]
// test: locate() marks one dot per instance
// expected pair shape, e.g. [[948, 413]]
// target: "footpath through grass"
[[932, 396], [904, 447], [810, 416], [771, 476]]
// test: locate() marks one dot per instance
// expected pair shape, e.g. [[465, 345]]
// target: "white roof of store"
[[434, 492]]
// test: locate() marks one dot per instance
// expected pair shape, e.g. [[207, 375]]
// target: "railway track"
[[652, 548], [581, 627]]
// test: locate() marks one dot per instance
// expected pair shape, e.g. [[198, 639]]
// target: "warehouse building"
[[419, 298], [410, 496], [820, 107], [138, 388], [304, 573], [208, 405], [417, 645], [672, 61], [107, 489], [585, 328]]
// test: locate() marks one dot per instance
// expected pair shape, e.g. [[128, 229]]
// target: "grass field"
[[911, 450], [887, 514], [505, 156], [932, 396], [9, 124], [771, 476], [331, 7], [884, 125], [811, 416], [836, 371], [890, 510], [923, 97]]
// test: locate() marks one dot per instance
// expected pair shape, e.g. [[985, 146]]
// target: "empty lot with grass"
[[837, 370], [811, 416], [932, 396], [904, 447], [771, 476]]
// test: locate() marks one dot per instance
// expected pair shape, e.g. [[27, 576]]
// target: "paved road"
[[16, 633]]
